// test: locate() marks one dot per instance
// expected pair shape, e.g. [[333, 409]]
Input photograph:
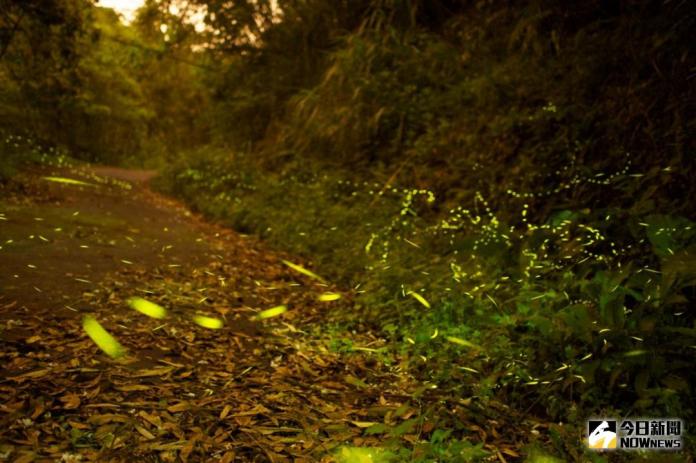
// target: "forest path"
[[60, 239], [287, 388]]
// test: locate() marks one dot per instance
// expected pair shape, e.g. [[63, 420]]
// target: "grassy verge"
[[18, 151], [583, 312]]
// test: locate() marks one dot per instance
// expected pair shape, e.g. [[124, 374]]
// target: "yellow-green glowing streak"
[[69, 181], [420, 299], [326, 297], [302, 270], [274, 312], [208, 322], [102, 338], [146, 307]]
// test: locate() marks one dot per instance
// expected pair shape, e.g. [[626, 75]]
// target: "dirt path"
[[272, 390], [61, 240]]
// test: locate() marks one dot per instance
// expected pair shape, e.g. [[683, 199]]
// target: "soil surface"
[[83, 241], [59, 240]]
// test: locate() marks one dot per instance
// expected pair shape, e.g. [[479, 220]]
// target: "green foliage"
[[17, 151], [421, 98], [491, 161], [537, 456], [73, 75], [582, 311], [442, 447], [38, 51], [522, 169]]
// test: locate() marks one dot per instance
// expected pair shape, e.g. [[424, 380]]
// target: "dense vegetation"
[[505, 185], [73, 75]]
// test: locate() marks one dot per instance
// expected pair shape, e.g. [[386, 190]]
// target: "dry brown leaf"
[[243, 420], [152, 372], [31, 375], [108, 418], [152, 419], [114, 406], [133, 388], [77, 425], [364, 424], [71, 401], [168, 446], [26, 458], [187, 449], [180, 407], [510, 452], [225, 411], [257, 410], [144, 432], [40, 408]]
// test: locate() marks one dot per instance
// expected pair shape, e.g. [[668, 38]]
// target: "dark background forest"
[[524, 167]]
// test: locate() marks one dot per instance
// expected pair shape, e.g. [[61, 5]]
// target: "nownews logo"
[[635, 434]]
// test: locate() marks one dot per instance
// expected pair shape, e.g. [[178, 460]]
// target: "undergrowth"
[[583, 312], [18, 151]]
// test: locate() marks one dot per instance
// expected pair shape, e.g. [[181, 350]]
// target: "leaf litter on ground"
[[251, 392]]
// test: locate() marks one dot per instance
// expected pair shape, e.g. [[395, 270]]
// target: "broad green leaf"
[[377, 428], [147, 308], [577, 318], [406, 427], [102, 338], [611, 297], [668, 234]]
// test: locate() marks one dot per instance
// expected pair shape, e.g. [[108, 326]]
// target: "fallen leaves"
[[271, 391], [144, 432], [36, 374], [225, 411], [150, 372], [71, 401], [178, 408]]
